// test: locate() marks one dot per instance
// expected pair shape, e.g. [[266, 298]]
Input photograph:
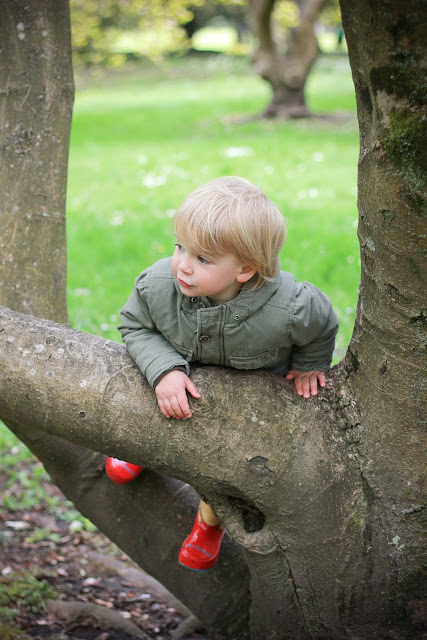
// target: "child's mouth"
[[183, 284]]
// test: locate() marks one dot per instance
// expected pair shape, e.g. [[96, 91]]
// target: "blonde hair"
[[231, 215]]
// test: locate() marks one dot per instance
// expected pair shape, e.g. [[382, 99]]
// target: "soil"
[[42, 543]]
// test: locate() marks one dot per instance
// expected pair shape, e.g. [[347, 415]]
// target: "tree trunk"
[[387, 55], [36, 93], [322, 499], [286, 73]]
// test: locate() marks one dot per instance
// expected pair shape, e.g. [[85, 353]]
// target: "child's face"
[[217, 277]]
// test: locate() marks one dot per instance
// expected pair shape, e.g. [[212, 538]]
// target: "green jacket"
[[283, 325]]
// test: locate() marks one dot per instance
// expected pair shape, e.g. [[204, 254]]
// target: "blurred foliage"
[[110, 32], [98, 24], [207, 12], [330, 15], [286, 15]]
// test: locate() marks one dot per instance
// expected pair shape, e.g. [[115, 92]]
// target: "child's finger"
[[184, 407], [191, 388], [171, 411], [176, 407], [290, 375], [322, 378], [306, 387], [313, 385], [167, 408], [162, 408], [298, 386]]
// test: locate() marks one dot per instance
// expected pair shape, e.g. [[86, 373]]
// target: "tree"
[[286, 72], [323, 504]]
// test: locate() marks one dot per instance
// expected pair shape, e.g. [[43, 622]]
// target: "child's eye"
[[178, 246], [203, 260]]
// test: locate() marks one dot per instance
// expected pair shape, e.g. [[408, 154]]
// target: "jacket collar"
[[246, 301]]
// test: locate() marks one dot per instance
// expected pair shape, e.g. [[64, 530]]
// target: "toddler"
[[222, 299]]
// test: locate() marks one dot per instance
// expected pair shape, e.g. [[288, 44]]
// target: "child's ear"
[[246, 273]]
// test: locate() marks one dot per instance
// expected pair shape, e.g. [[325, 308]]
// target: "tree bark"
[[286, 73], [322, 499], [36, 93], [387, 56]]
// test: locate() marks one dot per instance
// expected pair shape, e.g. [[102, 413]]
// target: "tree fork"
[[286, 73]]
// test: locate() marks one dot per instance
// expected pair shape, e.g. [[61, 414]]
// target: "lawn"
[[145, 136]]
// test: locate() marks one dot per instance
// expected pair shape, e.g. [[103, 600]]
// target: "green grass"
[[144, 137], [23, 589], [141, 141]]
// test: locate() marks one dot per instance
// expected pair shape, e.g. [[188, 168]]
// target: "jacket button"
[[205, 338], [193, 299]]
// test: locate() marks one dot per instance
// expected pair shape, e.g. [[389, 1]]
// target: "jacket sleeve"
[[313, 329], [150, 350]]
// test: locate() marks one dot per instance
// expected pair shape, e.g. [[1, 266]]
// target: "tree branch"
[[260, 16], [310, 10], [88, 391]]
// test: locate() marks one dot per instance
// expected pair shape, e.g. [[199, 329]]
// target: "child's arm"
[[163, 367], [314, 326]]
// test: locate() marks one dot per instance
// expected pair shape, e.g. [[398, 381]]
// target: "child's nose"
[[185, 265]]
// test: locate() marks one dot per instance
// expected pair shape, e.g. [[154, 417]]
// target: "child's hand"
[[172, 397], [306, 381]]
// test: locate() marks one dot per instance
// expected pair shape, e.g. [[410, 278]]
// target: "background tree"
[[323, 505], [286, 72], [108, 32]]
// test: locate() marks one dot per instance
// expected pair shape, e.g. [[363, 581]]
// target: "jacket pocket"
[[186, 353], [254, 362]]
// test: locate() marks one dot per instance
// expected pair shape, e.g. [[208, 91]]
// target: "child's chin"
[[190, 293]]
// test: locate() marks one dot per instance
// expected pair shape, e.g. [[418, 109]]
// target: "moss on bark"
[[403, 144]]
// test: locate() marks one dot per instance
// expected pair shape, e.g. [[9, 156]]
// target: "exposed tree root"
[[290, 114], [186, 628], [107, 565], [71, 610]]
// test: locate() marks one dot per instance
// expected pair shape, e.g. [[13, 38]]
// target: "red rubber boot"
[[200, 550], [121, 472]]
